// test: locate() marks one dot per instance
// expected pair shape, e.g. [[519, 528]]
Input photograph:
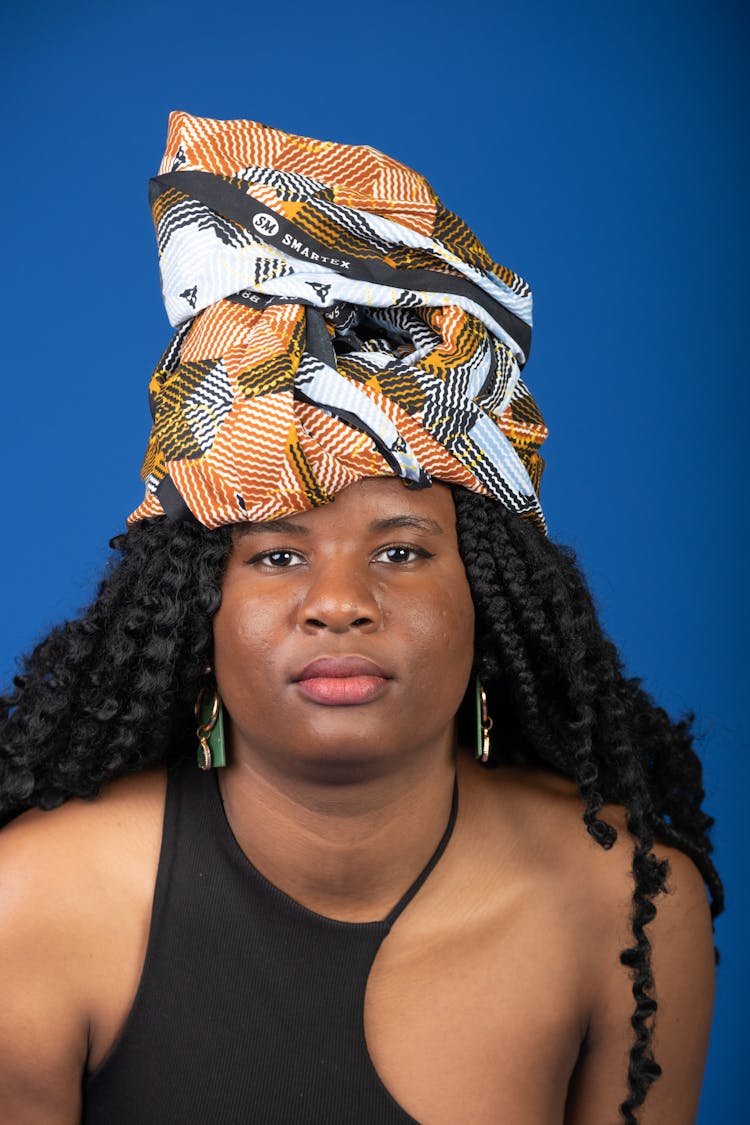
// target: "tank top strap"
[[409, 894]]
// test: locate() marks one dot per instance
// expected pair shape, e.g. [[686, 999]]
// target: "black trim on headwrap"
[[174, 506], [260, 301], [318, 342]]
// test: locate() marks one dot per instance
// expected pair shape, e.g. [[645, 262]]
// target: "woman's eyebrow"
[[282, 526], [418, 523], [292, 527]]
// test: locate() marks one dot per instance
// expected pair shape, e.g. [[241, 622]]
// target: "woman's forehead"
[[379, 503]]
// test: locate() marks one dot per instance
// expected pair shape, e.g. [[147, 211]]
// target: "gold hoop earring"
[[209, 715], [484, 725]]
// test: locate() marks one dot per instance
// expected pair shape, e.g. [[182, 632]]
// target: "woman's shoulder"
[[539, 814], [76, 886], [64, 870], [71, 839]]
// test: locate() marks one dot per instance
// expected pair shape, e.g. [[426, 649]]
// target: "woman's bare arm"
[[43, 1033], [76, 887], [683, 966]]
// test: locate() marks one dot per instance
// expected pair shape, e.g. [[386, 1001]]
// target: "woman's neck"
[[346, 851]]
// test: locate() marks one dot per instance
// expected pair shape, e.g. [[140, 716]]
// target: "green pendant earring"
[[484, 725], [209, 714]]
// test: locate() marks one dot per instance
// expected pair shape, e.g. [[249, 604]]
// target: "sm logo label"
[[265, 224]]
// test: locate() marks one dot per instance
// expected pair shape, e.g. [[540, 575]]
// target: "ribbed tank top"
[[250, 1007]]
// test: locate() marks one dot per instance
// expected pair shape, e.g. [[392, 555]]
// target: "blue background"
[[599, 150]]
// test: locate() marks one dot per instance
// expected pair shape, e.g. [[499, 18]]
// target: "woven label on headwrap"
[[334, 322]]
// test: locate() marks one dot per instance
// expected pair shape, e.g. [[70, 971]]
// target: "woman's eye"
[[278, 559], [400, 554]]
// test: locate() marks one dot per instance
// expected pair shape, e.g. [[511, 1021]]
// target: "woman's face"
[[345, 634]]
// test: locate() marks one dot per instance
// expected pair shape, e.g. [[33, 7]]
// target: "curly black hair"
[[113, 691]]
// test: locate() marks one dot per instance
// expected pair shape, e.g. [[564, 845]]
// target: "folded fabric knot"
[[334, 322]]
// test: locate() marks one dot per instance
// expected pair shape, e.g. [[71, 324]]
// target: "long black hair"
[[112, 692]]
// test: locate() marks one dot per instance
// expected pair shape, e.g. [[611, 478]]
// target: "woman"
[[353, 919]]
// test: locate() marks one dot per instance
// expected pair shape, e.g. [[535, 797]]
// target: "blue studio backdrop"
[[598, 150]]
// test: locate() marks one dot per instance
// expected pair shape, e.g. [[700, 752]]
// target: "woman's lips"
[[342, 681], [338, 690]]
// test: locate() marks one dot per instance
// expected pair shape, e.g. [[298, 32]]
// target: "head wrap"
[[334, 322]]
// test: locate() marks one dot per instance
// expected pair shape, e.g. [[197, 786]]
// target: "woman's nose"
[[340, 598]]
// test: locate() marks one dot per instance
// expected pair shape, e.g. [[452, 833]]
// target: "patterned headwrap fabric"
[[334, 322]]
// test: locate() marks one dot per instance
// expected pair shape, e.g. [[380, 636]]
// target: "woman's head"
[[336, 326]]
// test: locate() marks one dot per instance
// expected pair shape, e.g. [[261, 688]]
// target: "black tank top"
[[250, 1006]]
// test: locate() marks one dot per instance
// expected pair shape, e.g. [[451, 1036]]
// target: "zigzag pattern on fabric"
[[334, 322]]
